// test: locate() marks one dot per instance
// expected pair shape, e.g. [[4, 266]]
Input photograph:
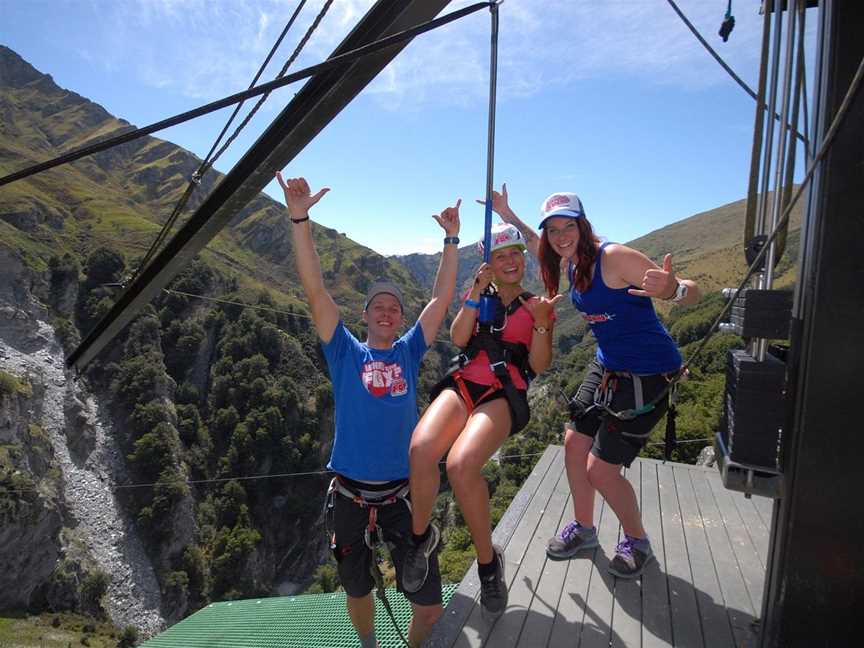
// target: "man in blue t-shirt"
[[375, 389]]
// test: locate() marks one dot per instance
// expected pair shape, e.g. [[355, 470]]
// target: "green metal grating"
[[306, 621]]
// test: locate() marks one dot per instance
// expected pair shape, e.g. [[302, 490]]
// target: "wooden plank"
[[597, 627], [458, 611], [570, 615], [755, 527], [550, 587], [627, 611], [752, 569], [475, 630], [735, 595], [656, 610], [528, 586], [716, 631], [765, 509], [686, 628]]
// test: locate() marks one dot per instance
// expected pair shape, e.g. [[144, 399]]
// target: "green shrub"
[[128, 638], [10, 385]]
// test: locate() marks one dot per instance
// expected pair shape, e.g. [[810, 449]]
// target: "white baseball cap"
[[561, 204], [503, 235]]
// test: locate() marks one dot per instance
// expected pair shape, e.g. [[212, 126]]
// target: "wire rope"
[[333, 62]]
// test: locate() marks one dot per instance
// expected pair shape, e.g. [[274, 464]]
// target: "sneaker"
[[493, 589], [415, 568], [572, 539], [630, 558]]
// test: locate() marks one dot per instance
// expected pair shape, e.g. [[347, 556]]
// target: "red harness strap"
[[470, 403]]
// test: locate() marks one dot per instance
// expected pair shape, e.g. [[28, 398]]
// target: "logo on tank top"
[[382, 378], [598, 318]]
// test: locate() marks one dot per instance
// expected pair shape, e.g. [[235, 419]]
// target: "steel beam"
[[311, 109], [815, 581]]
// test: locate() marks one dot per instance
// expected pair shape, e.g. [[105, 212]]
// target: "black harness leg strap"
[[498, 363]]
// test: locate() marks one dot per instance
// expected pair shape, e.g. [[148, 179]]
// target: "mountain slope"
[[194, 389], [120, 198]]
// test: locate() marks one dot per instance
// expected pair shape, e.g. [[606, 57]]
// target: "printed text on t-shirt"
[[382, 378]]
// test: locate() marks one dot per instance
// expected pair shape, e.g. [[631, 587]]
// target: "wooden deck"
[[704, 589]]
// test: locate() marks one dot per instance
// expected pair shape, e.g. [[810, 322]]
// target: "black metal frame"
[[815, 581], [311, 109]]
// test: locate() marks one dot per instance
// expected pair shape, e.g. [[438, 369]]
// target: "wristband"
[[470, 303], [298, 220], [451, 240]]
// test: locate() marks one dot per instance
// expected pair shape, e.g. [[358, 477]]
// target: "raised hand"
[[500, 205], [541, 308], [658, 282], [483, 277], [449, 219], [298, 198]]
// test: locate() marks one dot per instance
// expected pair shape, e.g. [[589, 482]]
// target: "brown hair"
[[586, 253]]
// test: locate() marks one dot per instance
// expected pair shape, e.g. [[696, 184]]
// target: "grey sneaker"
[[572, 539], [630, 560], [415, 568], [493, 589]]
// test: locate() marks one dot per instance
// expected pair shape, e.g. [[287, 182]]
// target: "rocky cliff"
[[63, 522]]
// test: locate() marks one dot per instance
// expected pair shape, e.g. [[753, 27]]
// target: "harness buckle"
[[497, 367]]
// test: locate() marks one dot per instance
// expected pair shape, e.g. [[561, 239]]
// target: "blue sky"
[[612, 99]]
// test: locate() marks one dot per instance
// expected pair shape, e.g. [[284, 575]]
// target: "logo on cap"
[[556, 201]]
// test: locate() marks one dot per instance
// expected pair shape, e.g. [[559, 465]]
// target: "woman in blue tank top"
[[611, 285]]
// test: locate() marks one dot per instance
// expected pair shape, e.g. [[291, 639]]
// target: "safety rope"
[[261, 308], [209, 160], [725, 65], [373, 541], [219, 480], [308, 473], [828, 140], [758, 134], [331, 63], [281, 74]]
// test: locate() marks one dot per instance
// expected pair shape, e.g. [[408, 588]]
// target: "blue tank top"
[[629, 335]]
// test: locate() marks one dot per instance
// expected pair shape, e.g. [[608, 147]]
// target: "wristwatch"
[[542, 330], [680, 293], [451, 240]]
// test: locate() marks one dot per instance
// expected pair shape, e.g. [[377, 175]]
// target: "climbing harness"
[[605, 392], [488, 338], [373, 534]]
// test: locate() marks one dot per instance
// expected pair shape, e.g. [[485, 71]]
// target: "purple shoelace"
[[570, 530], [625, 548]]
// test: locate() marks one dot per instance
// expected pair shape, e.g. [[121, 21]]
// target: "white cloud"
[[209, 49]]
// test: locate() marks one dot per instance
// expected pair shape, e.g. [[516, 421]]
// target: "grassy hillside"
[[120, 198]]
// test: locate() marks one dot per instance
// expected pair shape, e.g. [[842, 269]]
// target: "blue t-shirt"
[[629, 335], [376, 404]]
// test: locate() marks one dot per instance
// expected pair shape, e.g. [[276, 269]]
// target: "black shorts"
[[609, 444], [476, 391], [353, 557]]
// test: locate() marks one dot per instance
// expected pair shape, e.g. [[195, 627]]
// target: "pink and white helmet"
[[503, 235]]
